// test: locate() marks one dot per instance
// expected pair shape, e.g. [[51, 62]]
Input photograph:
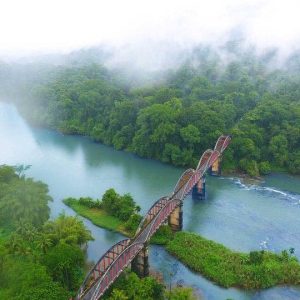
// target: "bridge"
[[134, 251]]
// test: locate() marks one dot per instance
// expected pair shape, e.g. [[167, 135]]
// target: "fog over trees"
[[171, 115]]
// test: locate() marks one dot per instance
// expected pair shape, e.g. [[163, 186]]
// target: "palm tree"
[[14, 243], [26, 230], [43, 242]]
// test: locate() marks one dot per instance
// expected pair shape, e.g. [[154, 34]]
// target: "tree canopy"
[[180, 115], [39, 258]]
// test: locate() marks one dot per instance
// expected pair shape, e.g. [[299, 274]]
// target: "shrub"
[[256, 270], [249, 166], [119, 206], [133, 222], [264, 168], [87, 201], [256, 257]]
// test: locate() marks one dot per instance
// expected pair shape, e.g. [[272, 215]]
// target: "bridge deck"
[[119, 256]]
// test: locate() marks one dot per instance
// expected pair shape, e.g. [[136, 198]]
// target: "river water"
[[242, 217]]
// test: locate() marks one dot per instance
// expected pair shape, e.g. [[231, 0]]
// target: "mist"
[[145, 34]]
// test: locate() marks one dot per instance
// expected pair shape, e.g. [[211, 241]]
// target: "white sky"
[[31, 26]]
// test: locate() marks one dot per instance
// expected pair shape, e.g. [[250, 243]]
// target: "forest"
[[172, 115], [39, 258], [42, 258]]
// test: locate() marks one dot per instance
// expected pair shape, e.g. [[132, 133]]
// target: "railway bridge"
[[134, 251]]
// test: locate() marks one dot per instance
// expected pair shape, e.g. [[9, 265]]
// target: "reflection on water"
[[243, 217]]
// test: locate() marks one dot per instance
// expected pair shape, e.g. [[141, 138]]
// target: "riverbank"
[[98, 217], [254, 270], [228, 168], [101, 218], [226, 268]]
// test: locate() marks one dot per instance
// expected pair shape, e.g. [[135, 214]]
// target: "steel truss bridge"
[[120, 255]]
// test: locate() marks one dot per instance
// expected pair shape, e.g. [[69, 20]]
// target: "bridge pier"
[[140, 264], [199, 191], [175, 219], [215, 169]]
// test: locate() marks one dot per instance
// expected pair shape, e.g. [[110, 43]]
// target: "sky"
[[45, 26]]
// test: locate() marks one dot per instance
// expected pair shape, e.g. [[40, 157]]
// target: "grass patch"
[[101, 218], [98, 217], [162, 236], [256, 270]]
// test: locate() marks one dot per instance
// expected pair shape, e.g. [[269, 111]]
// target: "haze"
[[40, 27]]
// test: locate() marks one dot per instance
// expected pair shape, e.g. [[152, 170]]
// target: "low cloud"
[[149, 32]]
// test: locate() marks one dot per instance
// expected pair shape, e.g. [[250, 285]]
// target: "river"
[[242, 217]]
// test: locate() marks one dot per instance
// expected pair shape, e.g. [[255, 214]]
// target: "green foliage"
[[22, 198], [67, 229], [264, 168], [102, 218], [163, 235], [249, 166], [259, 269], [133, 222], [39, 259], [89, 202], [118, 295], [256, 257], [181, 293], [177, 119], [25, 280], [64, 263], [97, 216], [130, 286], [122, 207], [7, 174], [119, 206]]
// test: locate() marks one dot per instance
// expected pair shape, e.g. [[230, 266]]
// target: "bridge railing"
[[113, 271], [119, 256], [152, 212], [102, 265]]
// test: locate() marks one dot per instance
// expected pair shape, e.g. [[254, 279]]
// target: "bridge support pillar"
[[140, 264], [215, 169], [199, 191], [175, 219]]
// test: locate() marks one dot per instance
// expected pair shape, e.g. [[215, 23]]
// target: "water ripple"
[[294, 198]]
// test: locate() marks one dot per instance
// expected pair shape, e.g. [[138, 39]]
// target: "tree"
[[24, 199], [64, 263], [118, 295], [119, 206], [135, 288], [279, 149], [43, 242], [190, 134], [7, 173], [66, 229], [180, 293], [110, 201], [25, 280]]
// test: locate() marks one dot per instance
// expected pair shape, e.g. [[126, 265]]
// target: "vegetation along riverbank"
[[227, 268], [176, 116], [39, 258], [115, 212], [45, 259]]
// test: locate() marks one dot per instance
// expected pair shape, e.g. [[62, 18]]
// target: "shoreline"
[[113, 224], [218, 257], [226, 172]]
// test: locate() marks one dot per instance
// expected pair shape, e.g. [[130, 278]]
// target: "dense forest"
[[39, 258], [45, 259], [177, 113]]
